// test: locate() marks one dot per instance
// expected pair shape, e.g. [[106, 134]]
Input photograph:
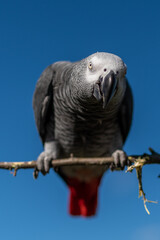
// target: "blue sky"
[[33, 35]]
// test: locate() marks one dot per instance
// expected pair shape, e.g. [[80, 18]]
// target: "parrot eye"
[[90, 66]]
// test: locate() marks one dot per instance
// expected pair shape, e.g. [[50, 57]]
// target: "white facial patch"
[[93, 74], [103, 63]]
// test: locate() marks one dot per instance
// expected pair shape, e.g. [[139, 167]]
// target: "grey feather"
[[126, 112], [42, 99]]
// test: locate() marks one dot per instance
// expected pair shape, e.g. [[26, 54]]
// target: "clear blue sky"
[[33, 34]]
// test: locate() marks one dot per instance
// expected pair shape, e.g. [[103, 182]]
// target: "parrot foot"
[[44, 162], [119, 160]]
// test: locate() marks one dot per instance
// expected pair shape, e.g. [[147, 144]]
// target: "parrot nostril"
[[105, 69]]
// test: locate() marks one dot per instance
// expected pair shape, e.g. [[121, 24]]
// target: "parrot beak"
[[105, 88]]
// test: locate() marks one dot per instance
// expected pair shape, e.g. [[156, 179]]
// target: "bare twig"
[[58, 163], [137, 161], [138, 164], [141, 192]]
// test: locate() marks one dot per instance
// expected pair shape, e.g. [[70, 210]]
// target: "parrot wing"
[[126, 112], [43, 100]]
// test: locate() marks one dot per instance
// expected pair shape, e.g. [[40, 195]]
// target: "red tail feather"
[[83, 197]]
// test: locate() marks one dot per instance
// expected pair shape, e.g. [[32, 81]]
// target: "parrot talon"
[[119, 160], [35, 173], [44, 162]]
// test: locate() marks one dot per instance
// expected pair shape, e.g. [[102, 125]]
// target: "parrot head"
[[107, 74], [102, 77]]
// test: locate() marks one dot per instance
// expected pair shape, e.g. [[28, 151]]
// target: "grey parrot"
[[85, 109]]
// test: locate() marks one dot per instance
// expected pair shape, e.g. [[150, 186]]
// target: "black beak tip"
[[108, 87], [105, 87]]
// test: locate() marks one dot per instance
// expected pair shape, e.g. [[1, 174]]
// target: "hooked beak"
[[105, 88]]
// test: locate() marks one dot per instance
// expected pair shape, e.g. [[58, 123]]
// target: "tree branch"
[[137, 161], [58, 163]]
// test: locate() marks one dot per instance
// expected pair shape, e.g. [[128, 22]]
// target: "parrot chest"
[[89, 138], [86, 133], [89, 142]]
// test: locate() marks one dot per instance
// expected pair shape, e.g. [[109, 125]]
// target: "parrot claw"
[[44, 162], [119, 160]]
